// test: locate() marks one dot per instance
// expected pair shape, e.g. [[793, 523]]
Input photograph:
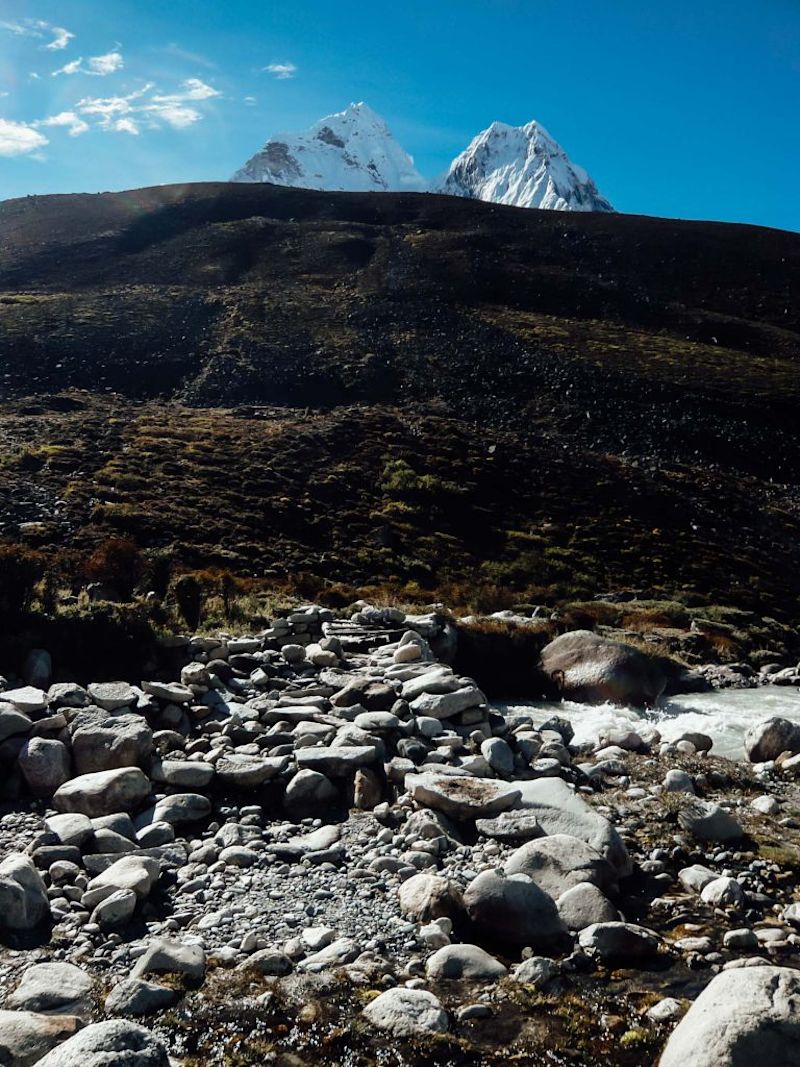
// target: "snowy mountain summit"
[[524, 166], [352, 150], [355, 151]]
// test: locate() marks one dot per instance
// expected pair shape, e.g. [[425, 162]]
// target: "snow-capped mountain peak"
[[351, 150], [524, 166], [354, 150]]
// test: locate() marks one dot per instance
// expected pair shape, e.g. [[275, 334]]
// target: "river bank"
[[322, 843]]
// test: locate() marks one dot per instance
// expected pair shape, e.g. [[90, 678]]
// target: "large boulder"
[[23, 896], [744, 1016], [104, 792], [103, 743], [116, 1043], [514, 911], [407, 1013], [593, 670], [767, 739], [559, 863], [560, 810]]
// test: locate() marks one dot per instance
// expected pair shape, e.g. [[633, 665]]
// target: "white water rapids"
[[724, 715]]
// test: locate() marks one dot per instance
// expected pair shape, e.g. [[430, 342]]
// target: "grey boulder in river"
[[592, 669]]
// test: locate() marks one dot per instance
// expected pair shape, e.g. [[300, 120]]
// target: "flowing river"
[[724, 715]]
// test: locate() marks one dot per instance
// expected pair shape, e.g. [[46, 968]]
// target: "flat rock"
[[302, 844], [170, 692], [28, 699], [462, 797], [54, 989], [336, 761], [240, 771], [511, 826], [111, 696], [447, 705]]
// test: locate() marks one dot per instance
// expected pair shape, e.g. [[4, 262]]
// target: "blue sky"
[[686, 109]]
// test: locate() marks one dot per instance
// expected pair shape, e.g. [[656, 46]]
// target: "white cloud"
[[39, 28], [109, 108], [19, 139], [125, 114], [177, 116], [61, 39], [74, 123], [97, 66], [191, 89], [281, 71], [126, 126], [110, 63], [250, 101], [73, 67]]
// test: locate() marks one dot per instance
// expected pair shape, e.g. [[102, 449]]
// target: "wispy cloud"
[[61, 40], [127, 114], [281, 71], [110, 63], [97, 66], [40, 29], [19, 139], [191, 89], [72, 67], [250, 101], [74, 123]]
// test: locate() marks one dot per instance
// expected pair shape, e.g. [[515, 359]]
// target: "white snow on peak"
[[355, 151], [524, 166], [352, 150]]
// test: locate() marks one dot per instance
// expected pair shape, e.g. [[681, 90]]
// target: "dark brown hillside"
[[582, 401]]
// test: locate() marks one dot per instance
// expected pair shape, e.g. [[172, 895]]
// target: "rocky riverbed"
[[320, 844]]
